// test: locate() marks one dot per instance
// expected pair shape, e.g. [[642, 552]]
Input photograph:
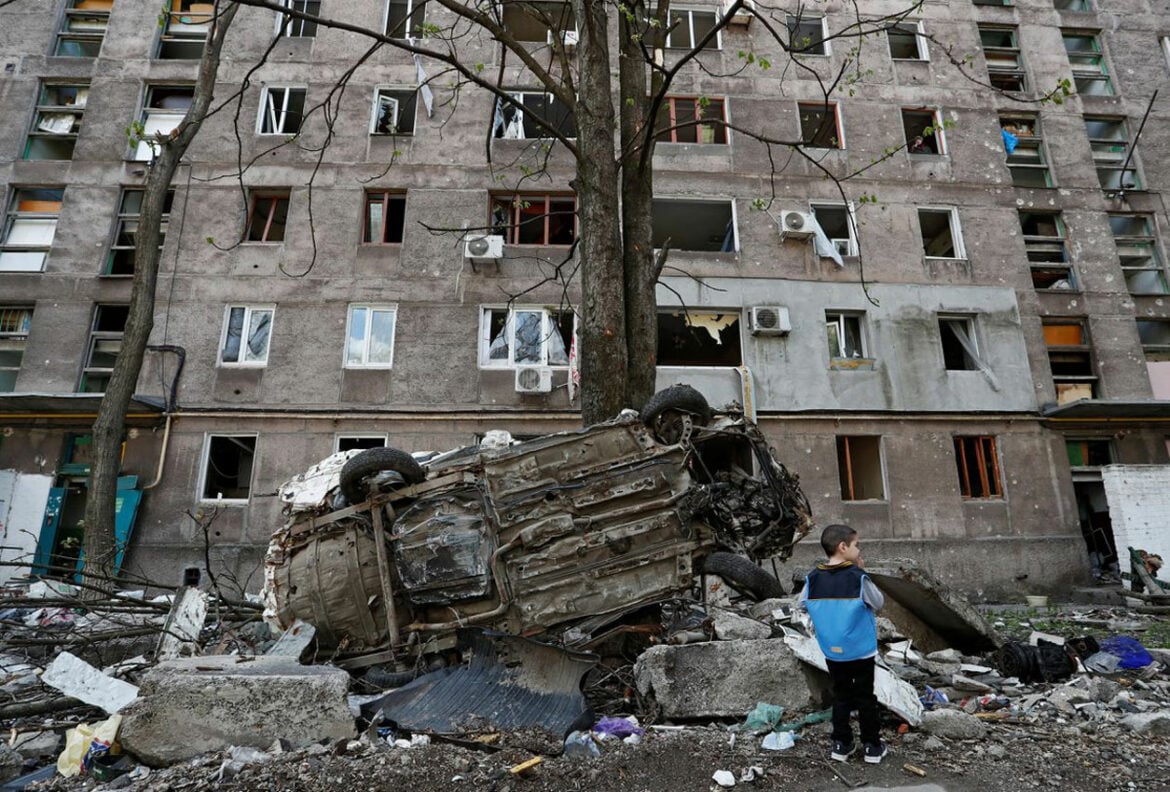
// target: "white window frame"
[[410, 9], [937, 123], [851, 247], [838, 317], [282, 113], [155, 119], [365, 362], [205, 459], [690, 27], [41, 224], [919, 41], [292, 22], [339, 436], [547, 324], [971, 325], [518, 96], [956, 232], [378, 90], [1165, 42], [249, 309], [825, 43]]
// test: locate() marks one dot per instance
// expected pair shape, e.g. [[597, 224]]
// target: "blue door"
[[48, 537]]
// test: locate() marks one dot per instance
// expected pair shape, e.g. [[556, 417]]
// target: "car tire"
[[743, 575], [377, 460], [675, 399]]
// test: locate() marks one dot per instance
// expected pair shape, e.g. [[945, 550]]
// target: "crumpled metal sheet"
[[511, 683]]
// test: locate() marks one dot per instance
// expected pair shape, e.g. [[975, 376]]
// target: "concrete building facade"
[[996, 332]]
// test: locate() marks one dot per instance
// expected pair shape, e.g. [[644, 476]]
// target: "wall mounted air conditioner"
[[484, 247], [533, 379], [741, 17], [796, 225], [770, 320]]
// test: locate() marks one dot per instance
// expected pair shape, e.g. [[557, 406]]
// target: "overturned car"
[[387, 554]]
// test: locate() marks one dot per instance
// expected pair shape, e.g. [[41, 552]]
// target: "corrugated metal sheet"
[[510, 683]]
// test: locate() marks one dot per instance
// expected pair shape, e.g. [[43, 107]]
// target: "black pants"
[[853, 690]]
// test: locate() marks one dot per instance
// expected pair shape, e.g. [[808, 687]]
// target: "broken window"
[[298, 27], [686, 28], [525, 122], [121, 258], [959, 346], [57, 122], [246, 332], [281, 110], [1089, 453], [691, 119], [699, 338], [859, 464], [535, 219], [838, 223], [370, 336], [1046, 251], [1087, 62], [385, 217], [1005, 64], [1025, 150], [82, 28], [941, 237], [846, 340], [227, 467], [1070, 359], [820, 126], [105, 342], [185, 25], [526, 336], [923, 129], [906, 41], [806, 35], [352, 442], [1134, 236], [978, 465], [163, 110], [29, 228], [15, 323], [405, 18], [267, 216], [1155, 337], [394, 111], [538, 21], [1109, 141], [694, 225]]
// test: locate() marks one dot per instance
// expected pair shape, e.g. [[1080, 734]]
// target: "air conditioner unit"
[[770, 320], [741, 17], [570, 39], [533, 379], [796, 225], [490, 246]]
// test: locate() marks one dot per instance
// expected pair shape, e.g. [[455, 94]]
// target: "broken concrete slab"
[[76, 678], [183, 625], [1154, 723], [722, 678], [733, 627], [197, 704], [953, 724], [928, 612]]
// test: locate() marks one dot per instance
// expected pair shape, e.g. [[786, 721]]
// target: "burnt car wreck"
[[558, 538]]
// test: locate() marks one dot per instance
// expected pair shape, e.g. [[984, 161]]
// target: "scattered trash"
[[778, 741], [76, 678], [1045, 662], [86, 742], [580, 745], [765, 717], [525, 765], [620, 728], [914, 769], [933, 698], [1129, 651], [723, 778], [750, 774]]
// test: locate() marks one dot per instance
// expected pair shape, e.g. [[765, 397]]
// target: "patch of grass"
[[1018, 625]]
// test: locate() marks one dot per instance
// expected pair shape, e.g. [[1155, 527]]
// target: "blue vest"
[[846, 628]]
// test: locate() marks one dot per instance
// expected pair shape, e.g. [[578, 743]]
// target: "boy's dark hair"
[[834, 535]]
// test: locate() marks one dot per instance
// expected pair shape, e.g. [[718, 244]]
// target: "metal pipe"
[[478, 617], [162, 456]]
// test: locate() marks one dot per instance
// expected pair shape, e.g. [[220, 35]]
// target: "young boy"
[[841, 599]]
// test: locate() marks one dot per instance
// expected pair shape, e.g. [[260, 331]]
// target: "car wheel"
[[670, 412], [377, 460], [743, 576]]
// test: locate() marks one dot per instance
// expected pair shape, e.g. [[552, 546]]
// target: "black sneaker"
[[842, 750], [875, 752]]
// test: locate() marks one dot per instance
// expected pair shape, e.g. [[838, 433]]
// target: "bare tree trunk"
[[604, 365], [109, 426], [637, 200]]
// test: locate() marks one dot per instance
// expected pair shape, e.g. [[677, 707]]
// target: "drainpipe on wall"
[[171, 405]]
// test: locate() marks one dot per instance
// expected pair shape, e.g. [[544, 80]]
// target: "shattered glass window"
[[699, 338], [246, 333], [527, 336]]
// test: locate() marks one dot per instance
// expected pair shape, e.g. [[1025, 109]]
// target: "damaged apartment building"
[[952, 353]]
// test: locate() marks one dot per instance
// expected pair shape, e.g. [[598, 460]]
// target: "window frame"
[[516, 31], [412, 8], [845, 455], [519, 96], [1149, 241], [985, 447], [852, 247], [838, 318], [14, 215], [511, 231], [387, 197], [81, 37], [713, 201], [549, 324], [375, 113], [249, 310], [936, 124], [1008, 61], [1099, 74], [715, 44], [1034, 143], [88, 369], [181, 35], [14, 340], [1038, 248], [253, 197], [205, 461], [970, 324], [919, 41], [955, 228], [43, 109], [339, 436], [718, 126], [122, 217], [146, 144], [1102, 158], [792, 23], [367, 339], [1083, 349], [293, 22], [825, 108], [1154, 349], [284, 114]]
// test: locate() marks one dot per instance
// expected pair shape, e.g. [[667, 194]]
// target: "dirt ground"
[[1011, 757]]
